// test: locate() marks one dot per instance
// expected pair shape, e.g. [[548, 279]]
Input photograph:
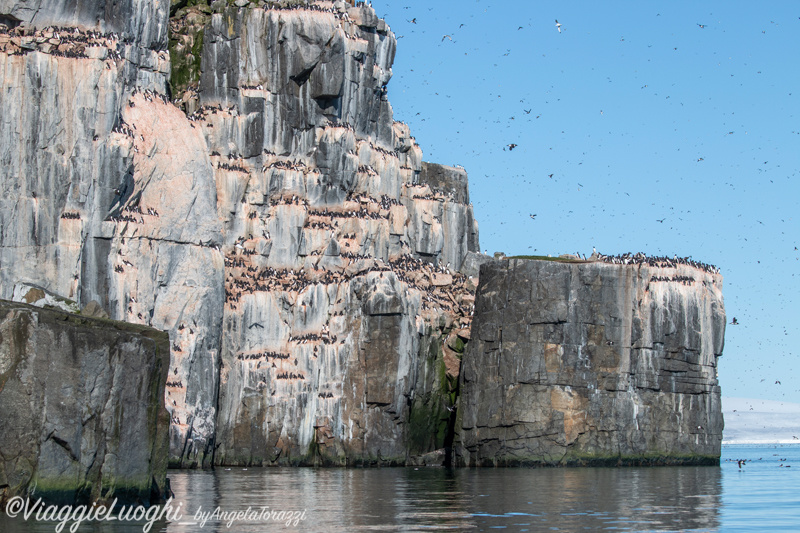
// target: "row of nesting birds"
[[656, 261], [267, 279], [684, 280], [433, 296], [61, 32], [57, 41], [262, 356]]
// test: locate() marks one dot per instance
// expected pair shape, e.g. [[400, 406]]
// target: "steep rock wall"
[[281, 231], [83, 415], [593, 363], [339, 269]]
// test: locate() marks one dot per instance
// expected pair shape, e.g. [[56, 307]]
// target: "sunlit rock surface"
[[278, 223], [593, 363], [341, 262]]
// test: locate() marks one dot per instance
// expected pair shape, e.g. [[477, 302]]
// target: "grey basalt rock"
[[83, 416], [593, 363], [472, 263], [302, 68], [450, 181]]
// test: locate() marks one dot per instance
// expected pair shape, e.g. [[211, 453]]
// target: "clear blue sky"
[[640, 114]]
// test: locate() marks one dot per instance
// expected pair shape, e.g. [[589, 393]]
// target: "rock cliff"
[[593, 363], [340, 257], [269, 214], [231, 172], [83, 415]]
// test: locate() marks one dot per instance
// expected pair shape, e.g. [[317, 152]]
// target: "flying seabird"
[[533, 216], [510, 146], [558, 26]]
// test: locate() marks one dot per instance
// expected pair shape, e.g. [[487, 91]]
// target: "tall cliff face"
[[83, 414], [336, 246], [286, 232], [282, 227], [593, 363]]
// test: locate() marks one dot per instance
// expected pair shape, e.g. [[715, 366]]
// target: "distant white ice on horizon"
[[749, 421]]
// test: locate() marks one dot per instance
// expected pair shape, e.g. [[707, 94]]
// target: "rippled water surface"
[[762, 495]]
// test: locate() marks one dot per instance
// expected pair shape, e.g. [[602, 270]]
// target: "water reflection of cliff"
[[404, 499], [672, 498], [676, 498]]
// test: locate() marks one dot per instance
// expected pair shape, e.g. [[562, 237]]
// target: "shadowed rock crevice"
[[10, 21], [64, 444], [301, 77]]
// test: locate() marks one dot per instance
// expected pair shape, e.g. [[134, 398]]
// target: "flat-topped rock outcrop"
[[83, 416], [593, 363]]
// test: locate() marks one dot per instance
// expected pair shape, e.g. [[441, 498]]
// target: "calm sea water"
[[760, 496]]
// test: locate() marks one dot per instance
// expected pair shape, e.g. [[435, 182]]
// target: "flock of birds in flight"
[[666, 222]]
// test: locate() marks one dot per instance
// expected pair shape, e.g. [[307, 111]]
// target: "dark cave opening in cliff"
[[9, 20]]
